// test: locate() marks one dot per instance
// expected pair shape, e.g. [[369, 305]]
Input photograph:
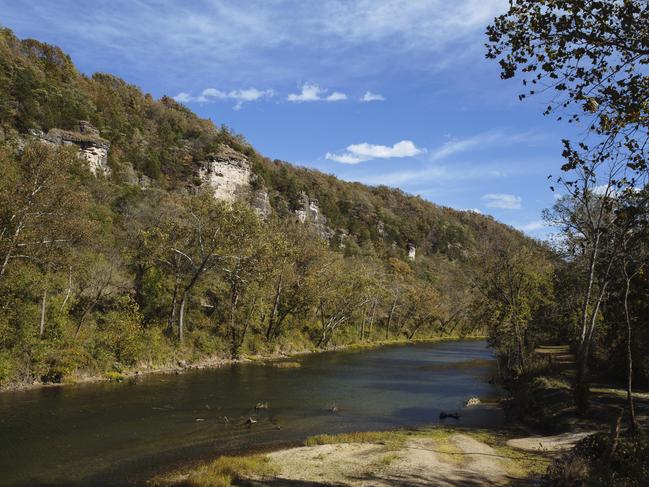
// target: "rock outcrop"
[[227, 173], [260, 202], [309, 213], [92, 147], [412, 251]]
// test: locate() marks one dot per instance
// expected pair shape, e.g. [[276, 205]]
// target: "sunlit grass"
[[222, 472], [225, 471], [114, 376], [392, 439], [285, 365]]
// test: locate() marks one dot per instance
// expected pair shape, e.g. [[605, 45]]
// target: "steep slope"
[[162, 143]]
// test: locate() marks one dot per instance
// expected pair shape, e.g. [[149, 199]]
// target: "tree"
[[43, 211], [194, 244], [632, 232], [588, 57], [343, 285], [245, 266], [513, 286]]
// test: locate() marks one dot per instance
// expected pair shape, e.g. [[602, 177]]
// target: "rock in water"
[[474, 401]]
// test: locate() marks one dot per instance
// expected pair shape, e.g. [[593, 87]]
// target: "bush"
[[121, 332], [6, 367], [589, 463]]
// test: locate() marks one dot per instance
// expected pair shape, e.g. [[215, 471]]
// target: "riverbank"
[[126, 433], [441, 456], [184, 365]]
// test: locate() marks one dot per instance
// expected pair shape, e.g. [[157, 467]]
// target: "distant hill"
[[163, 143]]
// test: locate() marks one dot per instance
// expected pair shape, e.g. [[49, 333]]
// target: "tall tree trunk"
[[12, 247], [181, 318], [273, 313], [372, 315], [234, 299], [174, 306], [629, 358], [67, 294], [390, 315], [520, 346], [581, 385], [323, 324], [41, 329]]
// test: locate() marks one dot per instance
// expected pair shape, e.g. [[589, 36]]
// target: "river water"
[[122, 433]]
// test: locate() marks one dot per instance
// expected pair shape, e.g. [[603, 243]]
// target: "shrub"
[[590, 464]]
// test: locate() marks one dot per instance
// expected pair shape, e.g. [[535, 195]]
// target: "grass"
[[222, 472], [225, 471], [114, 376], [285, 365], [392, 439], [388, 459], [360, 346], [518, 463], [619, 392]]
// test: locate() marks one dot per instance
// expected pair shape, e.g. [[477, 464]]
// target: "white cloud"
[[503, 201], [471, 210], [240, 96], [183, 97], [313, 92], [310, 92], [356, 153], [532, 226], [336, 96], [369, 96]]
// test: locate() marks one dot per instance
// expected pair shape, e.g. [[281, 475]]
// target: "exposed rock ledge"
[[227, 173], [93, 148]]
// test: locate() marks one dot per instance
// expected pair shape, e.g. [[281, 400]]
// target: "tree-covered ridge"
[[102, 274], [41, 89]]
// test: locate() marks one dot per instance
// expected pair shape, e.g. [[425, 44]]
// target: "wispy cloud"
[[482, 141], [533, 226], [313, 92], [503, 201], [462, 170], [239, 96], [229, 41], [369, 96], [356, 153]]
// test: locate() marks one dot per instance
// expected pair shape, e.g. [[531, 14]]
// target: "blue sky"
[[383, 92]]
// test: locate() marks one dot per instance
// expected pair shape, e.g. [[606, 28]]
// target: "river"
[[122, 433]]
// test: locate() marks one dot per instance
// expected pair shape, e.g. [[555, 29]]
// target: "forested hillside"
[[134, 234]]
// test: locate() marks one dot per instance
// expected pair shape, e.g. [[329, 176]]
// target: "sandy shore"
[[431, 456]]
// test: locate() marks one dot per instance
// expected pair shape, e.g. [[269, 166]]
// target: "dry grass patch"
[[391, 439], [518, 463], [222, 472], [285, 365]]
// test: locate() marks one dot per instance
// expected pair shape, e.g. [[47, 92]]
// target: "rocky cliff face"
[[226, 173], [93, 148], [412, 251], [309, 213]]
